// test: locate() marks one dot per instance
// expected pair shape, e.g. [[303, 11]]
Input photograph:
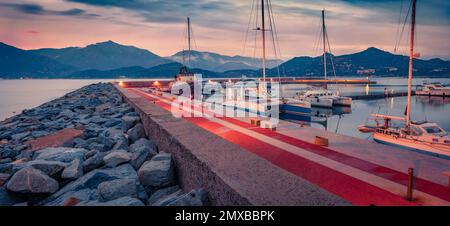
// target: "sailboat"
[[260, 94], [183, 74], [323, 97], [418, 135]]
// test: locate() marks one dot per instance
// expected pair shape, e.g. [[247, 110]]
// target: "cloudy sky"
[[221, 26]]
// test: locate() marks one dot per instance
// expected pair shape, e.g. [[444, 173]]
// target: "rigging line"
[[248, 27], [404, 24], [317, 37], [255, 46], [398, 25], [331, 56], [273, 31]]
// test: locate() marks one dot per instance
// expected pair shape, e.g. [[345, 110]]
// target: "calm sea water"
[[17, 95]]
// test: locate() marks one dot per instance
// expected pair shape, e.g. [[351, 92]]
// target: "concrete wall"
[[230, 174]]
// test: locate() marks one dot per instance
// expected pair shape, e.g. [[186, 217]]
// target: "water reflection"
[[346, 121]]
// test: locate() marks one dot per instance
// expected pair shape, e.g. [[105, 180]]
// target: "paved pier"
[[241, 164]]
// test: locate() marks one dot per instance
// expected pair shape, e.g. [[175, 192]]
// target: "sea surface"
[[17, 95]]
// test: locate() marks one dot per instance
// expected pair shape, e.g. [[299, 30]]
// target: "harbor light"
[[156, 83], [121, 83]]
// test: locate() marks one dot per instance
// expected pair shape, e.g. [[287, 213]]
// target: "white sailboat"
[[422, 136], [323, 97]]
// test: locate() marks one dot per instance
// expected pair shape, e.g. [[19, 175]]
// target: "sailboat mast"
[[263, 41], [189, 41], [324, 47], [410, 71]]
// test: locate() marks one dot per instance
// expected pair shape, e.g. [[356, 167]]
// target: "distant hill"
[[15, 62], [103, 56], [111, 60], [161, 71], [371, 61], [220, 63]]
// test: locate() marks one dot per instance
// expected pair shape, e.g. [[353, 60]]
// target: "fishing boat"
[[421, 136], [322, 97], [433, 89]]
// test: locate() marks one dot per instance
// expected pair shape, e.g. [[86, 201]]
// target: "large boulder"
[[116, 158], [136, 133], [94, 162], [31, 180], [73, 171], [110, 190], [129, 121], [51, 168], [160, 195], [66, 155], [92, 179], [158, 172], [142, 150]]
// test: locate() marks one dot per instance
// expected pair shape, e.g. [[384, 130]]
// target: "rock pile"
[[109, 163]]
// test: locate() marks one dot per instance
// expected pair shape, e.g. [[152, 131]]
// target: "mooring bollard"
[[410, 187]]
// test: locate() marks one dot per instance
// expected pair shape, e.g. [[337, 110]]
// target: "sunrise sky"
[[220, 26]]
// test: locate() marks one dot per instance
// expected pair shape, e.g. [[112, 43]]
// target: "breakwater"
[[86, 148]]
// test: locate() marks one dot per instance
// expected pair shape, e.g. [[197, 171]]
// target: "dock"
[[283, 80], [239, 163], [379, 95]]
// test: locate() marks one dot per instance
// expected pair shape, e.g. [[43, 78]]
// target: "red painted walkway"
[[349, 188]]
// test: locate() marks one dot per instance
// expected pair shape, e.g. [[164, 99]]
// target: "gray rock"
[[158, 172], [73, 171], [20, 136], [165, 200], [94, 162], [92, 179], [121, 142], [60, 154], [161, 194], [6, 168], [98, 120], [39, 133], [82, 195], [193, 198], [110, 190], [144, 144], [129, 121], [8, 198], [30, 180], [136, 133], [124, 201], [98, 146], [6, 135], [113, 122], [51, 168], [116, 158], [142, 150]]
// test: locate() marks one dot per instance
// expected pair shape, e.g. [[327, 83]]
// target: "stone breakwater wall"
[[86, 148]]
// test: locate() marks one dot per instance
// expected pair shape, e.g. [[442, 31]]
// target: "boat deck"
[[359, 171]]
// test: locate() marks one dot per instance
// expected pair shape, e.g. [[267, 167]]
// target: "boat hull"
[[343, 101], [442, 93], [415, 145]]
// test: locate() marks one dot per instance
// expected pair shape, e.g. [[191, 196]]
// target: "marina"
[[353, 114], [348, 162]]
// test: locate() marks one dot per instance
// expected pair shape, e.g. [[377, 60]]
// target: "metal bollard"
[[410, 187]]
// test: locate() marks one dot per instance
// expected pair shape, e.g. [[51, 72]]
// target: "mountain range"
[[112, 60], [220, 63]]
